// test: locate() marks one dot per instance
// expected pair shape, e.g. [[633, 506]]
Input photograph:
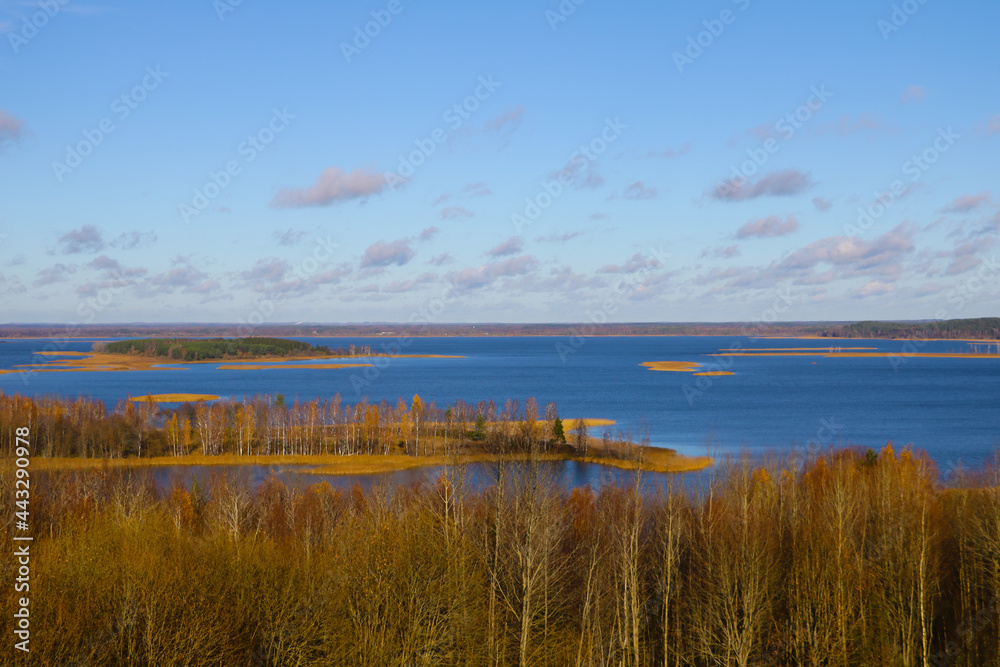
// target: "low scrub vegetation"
[[851, 559]]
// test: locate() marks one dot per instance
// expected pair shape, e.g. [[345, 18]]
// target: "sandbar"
[[96, 361], [570, 424], [675, 366], [836, 355], [653, 459], [264, 367], [174, 398], [796, 349], [64, 354]]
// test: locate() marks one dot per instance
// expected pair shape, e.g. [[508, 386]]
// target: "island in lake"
[[333, 436], [207, 349], [147, 354]]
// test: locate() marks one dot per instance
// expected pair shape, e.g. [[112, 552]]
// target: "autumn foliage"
[[848, 560], [267, 425]]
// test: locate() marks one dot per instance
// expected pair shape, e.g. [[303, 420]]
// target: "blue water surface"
[[948, 407]]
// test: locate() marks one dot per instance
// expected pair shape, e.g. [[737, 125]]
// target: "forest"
[[848, 558], [842, 557], [981, 328], [265, 425], [397, 330], [200, 349]]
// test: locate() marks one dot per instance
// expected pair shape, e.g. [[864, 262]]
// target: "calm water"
[[473, 477], [566, 474], [948, 407]]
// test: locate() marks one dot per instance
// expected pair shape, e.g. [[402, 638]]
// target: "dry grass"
[[681, 367], [109, 362], [375, 464], [654, 460], [665, 460], [371, 465], [650, 459], [571, 424], [675, 366], [805, 337], [806, 349], [839, 355], [954, 340], [422, 356], [265, 367], [175, 398], [98, 361]]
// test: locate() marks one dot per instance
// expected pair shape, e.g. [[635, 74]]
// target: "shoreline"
[[505, 335], [657, 460], [102, 362], [869, 355]]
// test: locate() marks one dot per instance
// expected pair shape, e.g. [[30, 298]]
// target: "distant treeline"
[[969, 328], [194, 349], [852, 560], [397, 331], [982, 328], [268, 425]]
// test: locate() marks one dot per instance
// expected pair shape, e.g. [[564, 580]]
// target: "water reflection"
[[477, 476]]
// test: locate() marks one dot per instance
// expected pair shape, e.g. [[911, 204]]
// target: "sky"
[[527, 161]]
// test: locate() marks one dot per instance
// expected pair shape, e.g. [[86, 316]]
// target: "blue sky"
[[528, 161]]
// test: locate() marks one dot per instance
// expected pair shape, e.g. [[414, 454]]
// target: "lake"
[[475, 476], [945, 406]]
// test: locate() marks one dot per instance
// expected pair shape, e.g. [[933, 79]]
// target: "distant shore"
[[991, 341], [983, 330]]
